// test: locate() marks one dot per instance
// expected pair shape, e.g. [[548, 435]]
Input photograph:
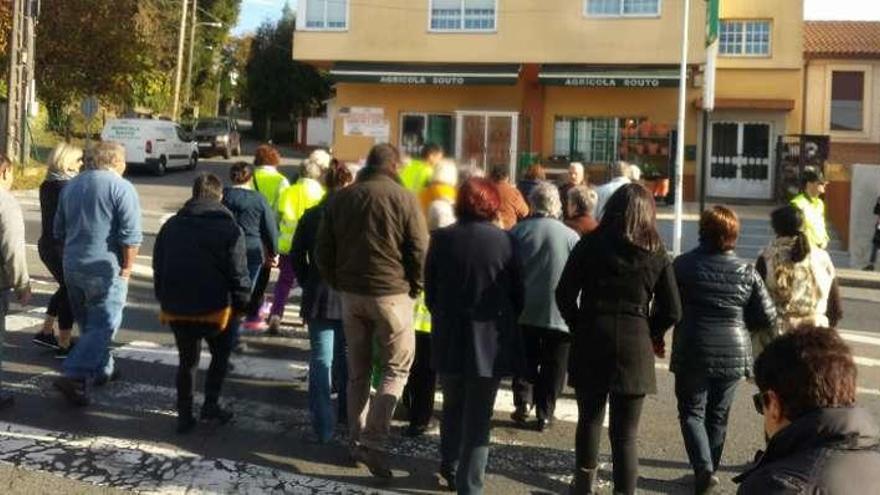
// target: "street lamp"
[[192, 43]]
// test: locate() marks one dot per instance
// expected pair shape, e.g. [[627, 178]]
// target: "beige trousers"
[[388, 319]]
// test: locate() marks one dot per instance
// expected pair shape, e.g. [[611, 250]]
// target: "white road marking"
[[148, 468], [859, 338], [869, 362]]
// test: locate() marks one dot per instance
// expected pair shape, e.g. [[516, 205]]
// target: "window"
[[591, 140], [744, 38], [847, 100], [326, 14], [418, 129], [614, 8], [463, 15]]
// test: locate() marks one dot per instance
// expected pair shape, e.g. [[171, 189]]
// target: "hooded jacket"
[[199, 261], [828, 451]]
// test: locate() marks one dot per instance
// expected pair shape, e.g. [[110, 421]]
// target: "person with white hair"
[[99, 220], [292, 203], [619, 177], [581, 208], [544, 244], [438, 204], [64, 163], [576, 177]]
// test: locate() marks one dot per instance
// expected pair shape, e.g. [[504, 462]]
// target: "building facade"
[[843, 88], [507, 82]]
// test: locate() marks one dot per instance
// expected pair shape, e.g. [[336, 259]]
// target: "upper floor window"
[[326, 14], [463, 15], [612, 8], [847, 100], [744, 38]]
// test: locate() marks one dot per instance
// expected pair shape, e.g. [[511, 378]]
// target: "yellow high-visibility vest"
[[814, 219], [292, 203]]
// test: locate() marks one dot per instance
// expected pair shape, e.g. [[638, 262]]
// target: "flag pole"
[[679, 147]]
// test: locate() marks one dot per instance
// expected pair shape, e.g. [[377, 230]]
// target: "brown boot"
[[584, 480]]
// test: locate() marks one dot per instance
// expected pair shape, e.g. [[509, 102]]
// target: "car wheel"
[[193, 161], [161, 167]]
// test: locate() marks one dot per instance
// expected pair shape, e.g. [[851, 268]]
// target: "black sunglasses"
[[760, 399]]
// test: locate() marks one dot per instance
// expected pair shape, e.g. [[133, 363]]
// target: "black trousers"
[[626, 410], [418, 395], [546, 364], [59, 304], [875, 246], [189, 346], [253, 308]]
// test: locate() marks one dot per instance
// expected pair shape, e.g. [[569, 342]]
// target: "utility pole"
[[20, 79], [178, 73], [192, 44]]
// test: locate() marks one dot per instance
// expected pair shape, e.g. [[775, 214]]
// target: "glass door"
[[740, 164], [418, 129], [487, 139]]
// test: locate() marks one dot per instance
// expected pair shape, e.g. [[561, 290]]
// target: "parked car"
[[152, 144], [218, 135]]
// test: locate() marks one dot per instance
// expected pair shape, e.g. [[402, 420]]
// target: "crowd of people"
[[415, 273]]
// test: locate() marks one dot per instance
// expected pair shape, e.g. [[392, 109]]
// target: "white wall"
[[865, 190], [319, 132]]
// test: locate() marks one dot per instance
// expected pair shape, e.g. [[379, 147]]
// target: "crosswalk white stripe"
[[151, 469], [869, 362], [859, 338]]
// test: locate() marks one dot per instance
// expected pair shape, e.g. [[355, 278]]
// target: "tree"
[[88, 47], [279, 87]]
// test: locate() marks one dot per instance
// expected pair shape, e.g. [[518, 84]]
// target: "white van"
[[152, 144]]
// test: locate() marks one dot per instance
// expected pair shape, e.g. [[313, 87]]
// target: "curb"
[[859, 279]]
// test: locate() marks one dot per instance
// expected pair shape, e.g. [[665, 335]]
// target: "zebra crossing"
[[143, 464]]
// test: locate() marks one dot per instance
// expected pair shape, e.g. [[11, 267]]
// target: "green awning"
[[584, 76], [425, 75]]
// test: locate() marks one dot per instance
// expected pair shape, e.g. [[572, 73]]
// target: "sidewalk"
[[859, 279]]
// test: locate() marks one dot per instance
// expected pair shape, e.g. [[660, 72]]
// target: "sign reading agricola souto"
[[613, 82], [419, 80]]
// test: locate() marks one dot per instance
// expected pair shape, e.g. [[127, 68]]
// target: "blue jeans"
[[96, 303], [327, 355], [703, 408], [468, 404]]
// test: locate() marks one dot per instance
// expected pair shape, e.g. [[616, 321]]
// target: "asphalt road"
[[126, 440]]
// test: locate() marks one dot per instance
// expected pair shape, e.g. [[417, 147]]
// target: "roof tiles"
[[842, 39]]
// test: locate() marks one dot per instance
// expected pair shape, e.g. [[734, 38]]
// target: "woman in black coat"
[[628, 300], [64, 163], [473, 289], [723, 298]]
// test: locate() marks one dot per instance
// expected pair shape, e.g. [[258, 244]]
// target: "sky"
[[254, 12]]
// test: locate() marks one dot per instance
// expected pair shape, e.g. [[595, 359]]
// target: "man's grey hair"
[[310, 169], [544, 200], [582, 200], [620, 169], [105, 155]]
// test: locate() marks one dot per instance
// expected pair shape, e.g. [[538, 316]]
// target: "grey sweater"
[[13, 262]]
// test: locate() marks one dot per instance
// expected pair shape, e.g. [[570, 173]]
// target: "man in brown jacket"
[[371, 248], [513, 206]]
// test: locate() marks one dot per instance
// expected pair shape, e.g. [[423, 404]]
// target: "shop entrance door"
[[741, 164], [487, 139]]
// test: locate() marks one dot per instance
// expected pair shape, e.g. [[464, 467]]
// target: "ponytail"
[[801, 248]]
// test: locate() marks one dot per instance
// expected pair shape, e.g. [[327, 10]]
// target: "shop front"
[[598, 115], [473, 112]]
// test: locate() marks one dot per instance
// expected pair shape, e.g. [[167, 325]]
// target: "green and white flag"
[[713, 25]]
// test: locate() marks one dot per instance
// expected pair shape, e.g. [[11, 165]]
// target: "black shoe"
[[63, 352], [414, 431], [46, 340], [520, 416], [104, 379], [448, 476], [543, 424], [583, 482], [214, 412], [868, 268], [6, 400], [705, 482], [185, 424], [75, 391], [376, 462]]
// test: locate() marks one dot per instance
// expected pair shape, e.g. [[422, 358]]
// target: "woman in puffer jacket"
[[723, 298]]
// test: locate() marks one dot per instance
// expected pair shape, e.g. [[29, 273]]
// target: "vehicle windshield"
[[211, 125]]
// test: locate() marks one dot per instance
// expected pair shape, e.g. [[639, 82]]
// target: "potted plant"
[[646, 129], [653, 147]]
